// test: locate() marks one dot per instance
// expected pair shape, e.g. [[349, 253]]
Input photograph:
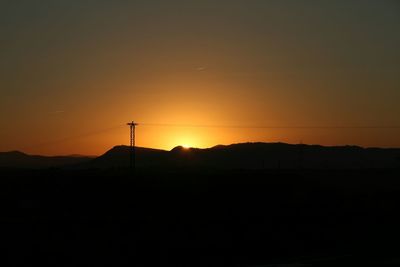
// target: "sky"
[[197, 73]]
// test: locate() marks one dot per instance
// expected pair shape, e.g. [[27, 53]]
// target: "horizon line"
[[188, 148]]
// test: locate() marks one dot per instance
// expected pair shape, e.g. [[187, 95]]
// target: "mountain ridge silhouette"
[[250, 155], [20, 160]]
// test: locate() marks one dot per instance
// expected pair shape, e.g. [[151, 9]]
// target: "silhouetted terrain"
[[236, 156], [239, 205], [16, 159], [253, 156], [200, 218]]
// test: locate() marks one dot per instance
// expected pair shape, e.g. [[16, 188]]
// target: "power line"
[[264, 126], [175, 125], [75, 137]]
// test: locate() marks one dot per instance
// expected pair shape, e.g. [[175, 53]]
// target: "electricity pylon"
[[132, 126]]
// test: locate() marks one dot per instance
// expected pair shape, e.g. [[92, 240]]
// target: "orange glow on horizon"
[[216, 64]]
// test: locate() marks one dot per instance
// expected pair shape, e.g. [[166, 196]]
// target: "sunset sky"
[[197, 73]]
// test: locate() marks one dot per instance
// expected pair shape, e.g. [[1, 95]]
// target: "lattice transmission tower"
[[132, 125]]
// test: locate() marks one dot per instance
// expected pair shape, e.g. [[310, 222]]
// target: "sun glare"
[[187, 142]]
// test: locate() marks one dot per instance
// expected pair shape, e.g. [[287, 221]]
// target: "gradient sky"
[[72, 73]]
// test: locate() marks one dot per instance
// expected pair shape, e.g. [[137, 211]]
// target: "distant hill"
[[16, 159], [235, 156], [119, 157], [253, 156]]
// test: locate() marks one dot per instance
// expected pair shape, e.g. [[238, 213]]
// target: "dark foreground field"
[[199, 218]]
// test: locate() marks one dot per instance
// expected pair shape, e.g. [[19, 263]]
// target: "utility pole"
[[132, 126]]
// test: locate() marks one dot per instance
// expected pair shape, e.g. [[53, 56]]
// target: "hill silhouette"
[[215, 205], [118, 157], [235, 156], [254, 156], [17, 159]]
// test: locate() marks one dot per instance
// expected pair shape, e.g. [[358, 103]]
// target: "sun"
[[186, 142]]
